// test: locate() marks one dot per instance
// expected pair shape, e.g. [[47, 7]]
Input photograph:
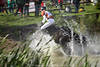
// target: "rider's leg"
[[47, 24]]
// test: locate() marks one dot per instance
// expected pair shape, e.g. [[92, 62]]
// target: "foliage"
[[20, 57], [23, 56], [98, 5]]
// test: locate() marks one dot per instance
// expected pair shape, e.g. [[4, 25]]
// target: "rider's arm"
[[44, 19]]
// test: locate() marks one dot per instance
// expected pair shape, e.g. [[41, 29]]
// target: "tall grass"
[[23, 56]]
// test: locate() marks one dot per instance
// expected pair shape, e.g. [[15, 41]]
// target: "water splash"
[[77, 48], [43, 42], [79, 45], [93, 47]]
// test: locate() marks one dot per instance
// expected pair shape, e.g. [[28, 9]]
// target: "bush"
[[98, 5]]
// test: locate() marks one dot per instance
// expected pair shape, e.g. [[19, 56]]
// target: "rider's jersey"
[[47, 14]]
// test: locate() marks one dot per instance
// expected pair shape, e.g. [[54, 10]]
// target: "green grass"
[[12, 20], [89, 9]]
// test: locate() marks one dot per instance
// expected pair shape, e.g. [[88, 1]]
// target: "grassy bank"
[[18, 26], [12, 20], [89, 9]]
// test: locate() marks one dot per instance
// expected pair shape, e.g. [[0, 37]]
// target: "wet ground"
[[18, 33]]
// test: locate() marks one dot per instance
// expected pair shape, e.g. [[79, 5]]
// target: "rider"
[[47, 16]]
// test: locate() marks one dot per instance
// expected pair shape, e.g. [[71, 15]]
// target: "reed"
[[23, 56]]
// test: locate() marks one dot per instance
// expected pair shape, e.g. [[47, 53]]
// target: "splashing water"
[[77, 48], [94, 44], [43, 42]]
